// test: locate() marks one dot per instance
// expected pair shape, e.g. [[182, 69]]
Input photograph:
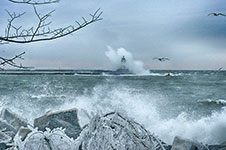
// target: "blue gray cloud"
[[180, 30]]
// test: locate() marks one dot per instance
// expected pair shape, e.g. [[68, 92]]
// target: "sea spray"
[[115, 56], [154, 101], [142, 107]]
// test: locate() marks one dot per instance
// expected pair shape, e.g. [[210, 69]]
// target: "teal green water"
[[187, 103]]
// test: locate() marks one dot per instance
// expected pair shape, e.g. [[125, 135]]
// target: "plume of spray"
[[135, 66]]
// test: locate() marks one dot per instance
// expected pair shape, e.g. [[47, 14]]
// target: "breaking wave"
[[137, 102], [165, 74], [143, 108]]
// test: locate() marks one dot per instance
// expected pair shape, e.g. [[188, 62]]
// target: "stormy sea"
[[190, 104]]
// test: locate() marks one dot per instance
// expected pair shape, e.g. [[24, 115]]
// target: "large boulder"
[[67, 119], [12, 118], [4, 140], [115, 131], [23, 132], [54, 139], [217, 147], [7, 128], [186, 144]]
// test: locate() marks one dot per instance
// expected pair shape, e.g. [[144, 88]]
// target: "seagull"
[[220, 69], [217, 14], [162, 59]]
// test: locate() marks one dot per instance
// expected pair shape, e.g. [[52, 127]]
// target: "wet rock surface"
[[13, 119], [186, 144], [61, 130], [67, 119]]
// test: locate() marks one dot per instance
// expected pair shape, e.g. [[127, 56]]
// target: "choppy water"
[[190, 104]]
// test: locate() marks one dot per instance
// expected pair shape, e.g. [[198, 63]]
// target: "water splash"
[[143, 108], [115, 56]]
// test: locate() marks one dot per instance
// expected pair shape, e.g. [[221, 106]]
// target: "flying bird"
[[220, 69], [161, 59], [217, 14]]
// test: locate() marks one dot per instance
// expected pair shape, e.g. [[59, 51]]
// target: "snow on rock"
[[6, 128], [12, 118], [114, 131], [55, 139]]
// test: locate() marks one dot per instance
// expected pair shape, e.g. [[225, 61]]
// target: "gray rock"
[[224, 143], [3, 146], [67, 119], [217, 147], [186, 144], [23, 132], [114, 131], [36, 141], [7, 128], [4, 139], [12, 118]]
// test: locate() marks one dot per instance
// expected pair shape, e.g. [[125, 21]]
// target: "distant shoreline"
[[86, 71]]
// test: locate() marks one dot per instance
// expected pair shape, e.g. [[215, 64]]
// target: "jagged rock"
[[224, 143], [23, 132], [186, 144], [59, 140], [12, 148], [217, 147], [49, 140], [12, 118], [4, 139], [7, 128], [36, 141], [3, 146], [114, 131], [67, 119]]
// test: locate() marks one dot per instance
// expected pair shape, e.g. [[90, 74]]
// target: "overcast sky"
[[179, 30]]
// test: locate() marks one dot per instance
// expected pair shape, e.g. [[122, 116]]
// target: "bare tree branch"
[[32, 2], [11, 61], [42, 31]]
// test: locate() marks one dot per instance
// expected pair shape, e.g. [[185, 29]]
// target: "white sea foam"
[[115, 56], [142, 107], [165, 74]]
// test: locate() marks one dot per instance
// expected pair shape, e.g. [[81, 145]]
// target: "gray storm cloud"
[[180, 30]]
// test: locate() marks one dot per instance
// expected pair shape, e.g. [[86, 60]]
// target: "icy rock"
[[59, 140], [217, 147], [23, 132], [3, 146], [7, 128], [12, 118], [36, 141], [186, 144], [224, 143], [114, 131], [67, 119], [49, 140], [4, 138]]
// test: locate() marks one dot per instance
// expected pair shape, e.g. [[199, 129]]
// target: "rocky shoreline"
[[62, 131]]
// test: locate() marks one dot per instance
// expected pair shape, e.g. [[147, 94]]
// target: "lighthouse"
[[123, 62]]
